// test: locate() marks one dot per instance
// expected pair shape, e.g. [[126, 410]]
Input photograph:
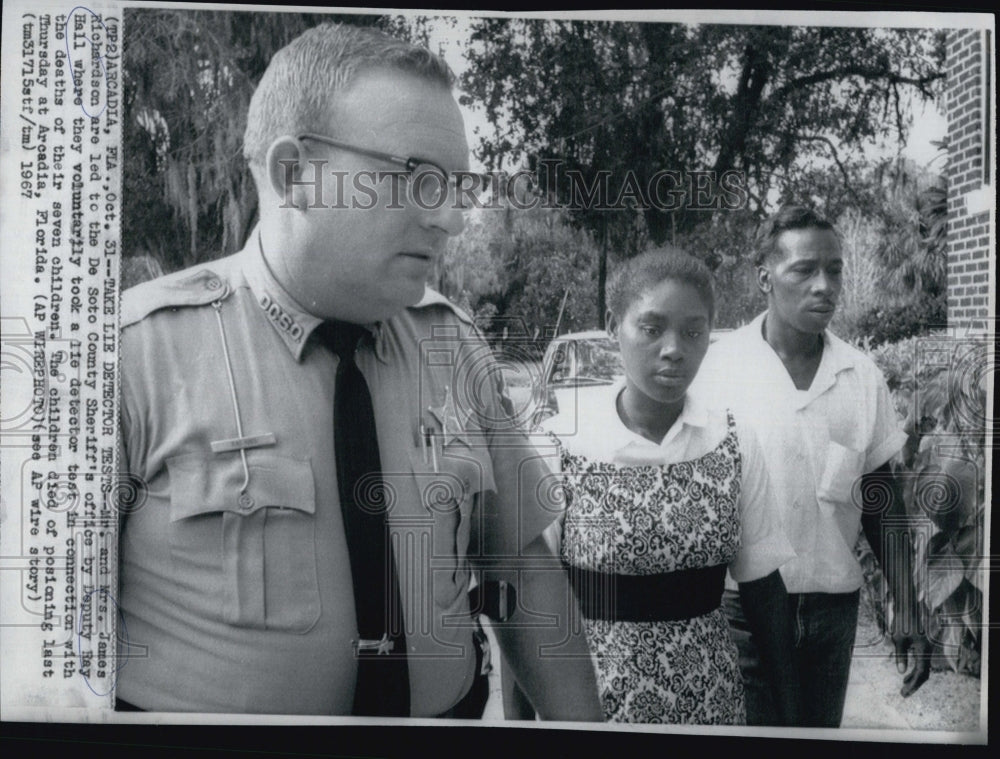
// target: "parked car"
[[574, 368], [574, 365]]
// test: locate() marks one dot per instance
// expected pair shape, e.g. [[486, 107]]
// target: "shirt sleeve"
[[523, 504], [763, 546], [131, 441], [552, 535], [888, 436]]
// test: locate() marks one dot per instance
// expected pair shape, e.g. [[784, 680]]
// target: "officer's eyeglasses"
[[431, 183]]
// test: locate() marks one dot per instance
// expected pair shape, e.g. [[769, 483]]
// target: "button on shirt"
[[598, 434], [237, 593], [817, 444]]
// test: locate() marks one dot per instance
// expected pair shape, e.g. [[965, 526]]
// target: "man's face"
[[803, 281], [366, 264]]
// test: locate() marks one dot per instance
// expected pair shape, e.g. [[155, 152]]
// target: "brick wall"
[[970, 218]]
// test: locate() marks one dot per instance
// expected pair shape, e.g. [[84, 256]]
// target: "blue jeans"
[[825, 625]]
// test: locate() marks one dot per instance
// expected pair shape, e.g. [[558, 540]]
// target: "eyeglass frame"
[[410, 164]]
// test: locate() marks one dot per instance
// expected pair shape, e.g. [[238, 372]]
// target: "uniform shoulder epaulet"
[[434, 298], [191, 287]]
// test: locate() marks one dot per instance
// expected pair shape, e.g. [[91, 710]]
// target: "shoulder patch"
[[434, 298], [190, 287]]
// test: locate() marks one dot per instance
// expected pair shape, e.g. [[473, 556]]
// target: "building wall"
[[969, 175]]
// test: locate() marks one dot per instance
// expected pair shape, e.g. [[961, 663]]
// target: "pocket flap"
[[472, 465], [842, 470], [203, 485], [461, 471]]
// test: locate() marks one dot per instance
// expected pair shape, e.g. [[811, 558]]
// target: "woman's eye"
[[694, 334], [651, 331]]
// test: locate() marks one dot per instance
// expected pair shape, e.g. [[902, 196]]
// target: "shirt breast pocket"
[[841, 472], [448, 485], [254, 552]]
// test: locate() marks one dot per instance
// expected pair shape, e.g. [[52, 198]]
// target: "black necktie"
[[383, 685]]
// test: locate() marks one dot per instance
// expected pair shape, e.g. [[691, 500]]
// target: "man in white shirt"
[[828, 428]]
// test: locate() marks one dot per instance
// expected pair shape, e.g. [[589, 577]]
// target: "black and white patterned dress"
[[648, 520]]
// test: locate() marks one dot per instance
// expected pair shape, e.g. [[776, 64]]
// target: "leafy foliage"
[[895, 254], [524, 263], [772, 102], [893, 323], [940, 388]]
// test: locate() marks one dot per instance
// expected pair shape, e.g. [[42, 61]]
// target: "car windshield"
[[595, 359]]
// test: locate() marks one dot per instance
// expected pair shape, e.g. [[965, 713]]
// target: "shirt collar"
[[837, 357], [694, 414], [293, 323]]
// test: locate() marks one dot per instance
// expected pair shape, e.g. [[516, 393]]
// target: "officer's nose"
[[447, 217]]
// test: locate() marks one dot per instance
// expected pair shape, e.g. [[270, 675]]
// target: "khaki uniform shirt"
[[235, 582]]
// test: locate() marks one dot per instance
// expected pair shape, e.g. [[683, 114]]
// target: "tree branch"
[[833, 154], [864, 72]]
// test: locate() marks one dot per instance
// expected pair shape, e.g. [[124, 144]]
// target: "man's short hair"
[[636, 275], [788, 218], [296, 93]]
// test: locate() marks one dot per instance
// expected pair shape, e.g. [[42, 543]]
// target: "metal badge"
[[243, 443], [381, 646]]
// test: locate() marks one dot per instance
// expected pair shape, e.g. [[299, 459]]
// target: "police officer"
[[236, 576]]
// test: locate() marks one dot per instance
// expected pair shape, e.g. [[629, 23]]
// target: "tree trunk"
[[602, 273]]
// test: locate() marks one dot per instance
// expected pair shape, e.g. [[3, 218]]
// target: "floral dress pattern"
[[643, 520]]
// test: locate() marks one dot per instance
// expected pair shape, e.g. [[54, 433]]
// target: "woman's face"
[[663, 336]]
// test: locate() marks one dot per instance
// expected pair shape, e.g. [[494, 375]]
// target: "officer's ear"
[[292, 177]]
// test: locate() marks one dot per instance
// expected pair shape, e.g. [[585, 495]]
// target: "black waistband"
[[666, 597]]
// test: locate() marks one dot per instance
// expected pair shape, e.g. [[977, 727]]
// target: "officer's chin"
[[397, 303]]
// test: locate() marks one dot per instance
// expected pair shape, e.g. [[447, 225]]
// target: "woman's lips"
[[670, 377]]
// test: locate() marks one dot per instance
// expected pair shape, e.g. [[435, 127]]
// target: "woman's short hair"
[[787, 218], [297, 92], [636, 275]]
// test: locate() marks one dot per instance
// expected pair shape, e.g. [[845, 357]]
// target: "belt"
[[470, 706], [496, 599], [666, 597]]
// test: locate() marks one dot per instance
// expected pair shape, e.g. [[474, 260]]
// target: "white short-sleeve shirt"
[[601, 436], [817, 444]]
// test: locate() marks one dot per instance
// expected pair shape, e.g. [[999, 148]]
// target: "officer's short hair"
[[636, 275], [789, 217], [297, 92]]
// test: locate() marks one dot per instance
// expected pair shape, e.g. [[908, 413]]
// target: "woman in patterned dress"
[[662, 496]]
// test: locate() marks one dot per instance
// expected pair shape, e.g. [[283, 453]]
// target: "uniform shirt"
[[246, 604], [601, 436], [817, 443]]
